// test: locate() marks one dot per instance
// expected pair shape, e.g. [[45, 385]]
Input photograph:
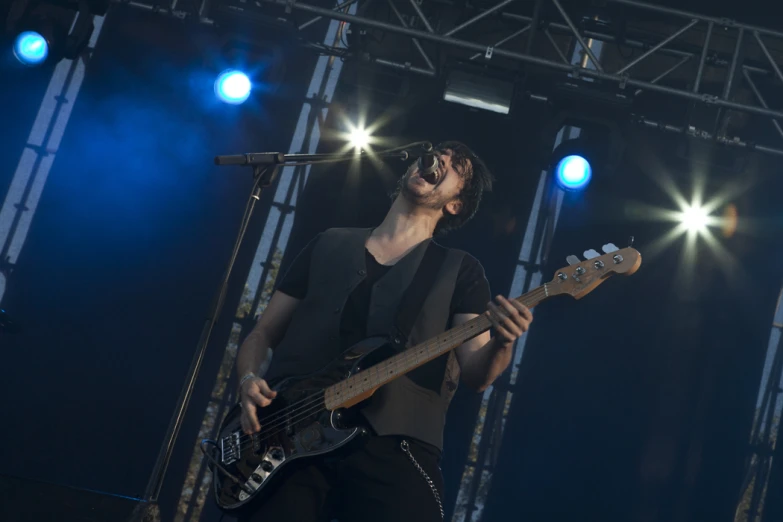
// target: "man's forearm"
[[487, 363], [253, 352]]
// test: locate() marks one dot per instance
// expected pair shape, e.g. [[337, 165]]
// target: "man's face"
[[441, 195]]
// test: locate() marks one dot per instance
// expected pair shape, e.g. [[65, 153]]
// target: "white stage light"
[[359, 138], [695, 219]]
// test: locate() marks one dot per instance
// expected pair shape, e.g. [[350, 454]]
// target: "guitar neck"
[[359, 384]]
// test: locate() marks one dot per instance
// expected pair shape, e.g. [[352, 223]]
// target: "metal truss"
[[720, 62], [766, 428], [485, 447], [734, 55], [720, 50], [43, 143], [175, 8], [261, 278]]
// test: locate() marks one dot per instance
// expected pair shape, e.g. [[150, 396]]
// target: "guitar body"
[[295, 427]]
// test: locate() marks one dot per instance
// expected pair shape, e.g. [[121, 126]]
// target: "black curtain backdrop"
[[635, 403], [632, 405], [127, 248]]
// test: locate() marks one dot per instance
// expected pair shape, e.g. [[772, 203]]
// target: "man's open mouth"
[[432, 178]]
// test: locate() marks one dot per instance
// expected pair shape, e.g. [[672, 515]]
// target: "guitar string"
[[312, 400], [267, 435], [407, 357], [269, 431], [310, 405]]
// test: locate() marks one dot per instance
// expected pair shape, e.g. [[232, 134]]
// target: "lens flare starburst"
[[697, 221]]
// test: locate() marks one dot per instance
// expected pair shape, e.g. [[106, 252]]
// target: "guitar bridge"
[[230, 449]]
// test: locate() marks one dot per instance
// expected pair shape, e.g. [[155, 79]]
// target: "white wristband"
[[246, 378]]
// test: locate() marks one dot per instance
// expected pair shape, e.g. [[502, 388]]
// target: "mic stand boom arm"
[[278, 158]]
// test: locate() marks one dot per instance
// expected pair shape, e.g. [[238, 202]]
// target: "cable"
[[217, 464]]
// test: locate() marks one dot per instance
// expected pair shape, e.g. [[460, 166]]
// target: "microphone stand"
[[265, 168]]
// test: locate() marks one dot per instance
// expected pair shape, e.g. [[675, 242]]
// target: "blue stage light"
[[573, 172], [232, 87], [31, 48]]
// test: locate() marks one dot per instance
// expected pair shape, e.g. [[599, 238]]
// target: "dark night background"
[[634, 404]]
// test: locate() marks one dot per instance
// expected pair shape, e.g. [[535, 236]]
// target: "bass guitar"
[[312, 414]]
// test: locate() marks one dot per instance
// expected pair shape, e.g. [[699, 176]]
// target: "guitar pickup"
[[258, 443]]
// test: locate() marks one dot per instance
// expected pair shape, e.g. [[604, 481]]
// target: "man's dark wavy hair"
[[478, 179]]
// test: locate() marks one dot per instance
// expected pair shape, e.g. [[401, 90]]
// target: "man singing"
[[346, 285]]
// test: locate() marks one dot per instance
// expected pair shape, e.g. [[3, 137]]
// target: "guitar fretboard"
[[400, 364]]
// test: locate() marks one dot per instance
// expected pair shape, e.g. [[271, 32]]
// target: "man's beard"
[[432, 200]]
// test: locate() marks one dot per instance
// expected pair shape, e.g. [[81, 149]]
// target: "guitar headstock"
[[581, 277]]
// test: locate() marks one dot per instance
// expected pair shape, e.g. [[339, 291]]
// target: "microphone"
[[428, 167]]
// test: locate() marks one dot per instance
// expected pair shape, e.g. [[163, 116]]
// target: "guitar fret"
[[401, 363]]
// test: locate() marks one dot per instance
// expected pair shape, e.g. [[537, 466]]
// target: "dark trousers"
[[376, 482]]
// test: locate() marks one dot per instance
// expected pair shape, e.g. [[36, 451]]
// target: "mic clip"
[[417, 150]]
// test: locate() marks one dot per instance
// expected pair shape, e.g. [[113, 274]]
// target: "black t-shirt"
[[471, 295]]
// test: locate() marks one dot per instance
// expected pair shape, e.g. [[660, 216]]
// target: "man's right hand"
[[255, 393]]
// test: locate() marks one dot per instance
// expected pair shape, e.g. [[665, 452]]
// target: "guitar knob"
[[267, 466], [255, 477], [276, 454]]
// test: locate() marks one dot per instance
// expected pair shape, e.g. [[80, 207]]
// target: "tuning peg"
[[609, 248], [590, 254], [573, 260]]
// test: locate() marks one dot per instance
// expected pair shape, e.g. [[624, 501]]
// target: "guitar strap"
[[417, 292]]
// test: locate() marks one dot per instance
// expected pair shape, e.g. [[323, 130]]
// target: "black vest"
[[312, 339]]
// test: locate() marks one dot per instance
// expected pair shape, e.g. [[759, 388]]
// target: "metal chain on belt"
[[406, 449]]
